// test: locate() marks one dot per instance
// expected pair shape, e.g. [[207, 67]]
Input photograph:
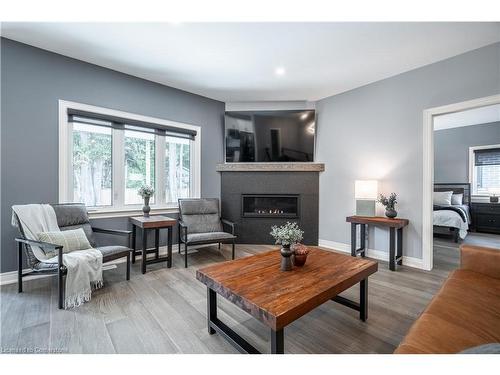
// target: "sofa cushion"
[[475, 310], [463, 314], [74, 216], [433, 335], [70, 240], [477, 281], [212, 236], [107, 252], [199, 206], [202, 223], [200, 215], [493, 348], [70, 214], [111, 251]]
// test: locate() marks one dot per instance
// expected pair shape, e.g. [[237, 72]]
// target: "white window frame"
[[472, 170], [118, 207]]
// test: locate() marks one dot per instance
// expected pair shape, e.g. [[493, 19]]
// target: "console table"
[[395, 254], [147, 223]]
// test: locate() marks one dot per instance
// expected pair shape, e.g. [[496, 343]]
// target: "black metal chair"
[[200, 224], [69, 216]]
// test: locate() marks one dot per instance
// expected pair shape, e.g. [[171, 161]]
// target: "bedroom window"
[[106, 155], [485, 168]]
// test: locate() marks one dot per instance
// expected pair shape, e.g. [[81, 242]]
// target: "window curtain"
[[487, 157]]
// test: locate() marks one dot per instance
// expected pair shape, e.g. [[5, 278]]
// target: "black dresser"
[[486, 217]]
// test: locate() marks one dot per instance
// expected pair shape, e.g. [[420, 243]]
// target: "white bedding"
[[452, 219]]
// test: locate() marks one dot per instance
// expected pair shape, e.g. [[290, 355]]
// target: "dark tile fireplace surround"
[[256, 197]]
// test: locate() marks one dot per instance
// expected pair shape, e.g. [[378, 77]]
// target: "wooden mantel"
[[270, 167]]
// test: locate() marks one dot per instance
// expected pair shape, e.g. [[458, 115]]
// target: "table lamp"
[[365, 193]]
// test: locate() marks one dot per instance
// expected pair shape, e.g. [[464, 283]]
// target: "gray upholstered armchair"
[[69, 216], [200, 223]]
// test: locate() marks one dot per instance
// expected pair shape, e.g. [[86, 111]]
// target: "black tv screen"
[[270, 136]]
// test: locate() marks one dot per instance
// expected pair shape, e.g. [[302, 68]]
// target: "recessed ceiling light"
[[304, 116], [280, 71]]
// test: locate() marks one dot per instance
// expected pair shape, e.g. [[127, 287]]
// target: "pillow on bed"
[[457, 199], [443, 198]]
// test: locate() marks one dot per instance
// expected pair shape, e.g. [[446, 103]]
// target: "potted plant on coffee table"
[[300, 252], [286, 235]]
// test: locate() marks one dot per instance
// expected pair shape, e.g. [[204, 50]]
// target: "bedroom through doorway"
[[465, 207]]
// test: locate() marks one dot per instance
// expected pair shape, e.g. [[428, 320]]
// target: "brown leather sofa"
[[466, 310]]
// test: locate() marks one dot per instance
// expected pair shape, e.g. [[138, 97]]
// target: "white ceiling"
[[476, 116], [238, 61]]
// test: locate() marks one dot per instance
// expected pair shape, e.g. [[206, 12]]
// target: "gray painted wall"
[[33, 80], [451, 149], [375, 132]]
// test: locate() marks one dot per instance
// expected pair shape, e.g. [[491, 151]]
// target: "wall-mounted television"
[[269, 136]]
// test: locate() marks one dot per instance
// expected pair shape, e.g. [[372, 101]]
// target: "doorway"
[[429, 118]]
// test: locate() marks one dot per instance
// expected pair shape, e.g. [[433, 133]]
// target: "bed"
[[453, 219]]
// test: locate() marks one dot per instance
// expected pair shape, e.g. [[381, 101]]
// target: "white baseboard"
[[11, 277], [371, 253]]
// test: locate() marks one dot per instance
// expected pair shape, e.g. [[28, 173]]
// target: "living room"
[[166, 193]]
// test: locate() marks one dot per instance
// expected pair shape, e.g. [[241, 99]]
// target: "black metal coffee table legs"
[[362, 305], [278, 336], [243, 346]]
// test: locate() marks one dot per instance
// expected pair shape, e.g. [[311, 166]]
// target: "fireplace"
[[255, 200], [270, 205]]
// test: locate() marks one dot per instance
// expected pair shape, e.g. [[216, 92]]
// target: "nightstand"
[[486, 217]]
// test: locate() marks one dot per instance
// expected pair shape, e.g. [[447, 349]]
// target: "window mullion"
[[70, 194], [118, 165], [160, 170]]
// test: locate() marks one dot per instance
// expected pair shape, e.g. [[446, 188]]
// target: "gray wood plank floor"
[[164, 311]]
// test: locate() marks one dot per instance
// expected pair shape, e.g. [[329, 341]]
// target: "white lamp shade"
[[366, 189]]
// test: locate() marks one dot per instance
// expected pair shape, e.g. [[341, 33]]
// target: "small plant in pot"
[[146, 192], [300, 252], [286, 235], [389, 204]]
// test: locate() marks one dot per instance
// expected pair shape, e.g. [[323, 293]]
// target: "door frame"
[[428, 167]]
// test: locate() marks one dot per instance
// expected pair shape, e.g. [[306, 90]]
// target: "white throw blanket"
[[84, 266]]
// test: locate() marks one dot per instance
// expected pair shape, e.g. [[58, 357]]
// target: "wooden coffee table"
[[276, 298]]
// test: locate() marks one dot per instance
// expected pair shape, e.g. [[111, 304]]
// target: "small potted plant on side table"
[[389, 204], [146, 192], [286, 235]]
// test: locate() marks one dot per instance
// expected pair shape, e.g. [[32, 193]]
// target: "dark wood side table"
[[392, 224], [148, 223]]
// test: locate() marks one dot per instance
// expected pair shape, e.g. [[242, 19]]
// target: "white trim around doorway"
[[428, 167]]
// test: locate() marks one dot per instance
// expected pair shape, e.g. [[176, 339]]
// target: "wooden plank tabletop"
[[378, 220], [277, 298], [157, 221]]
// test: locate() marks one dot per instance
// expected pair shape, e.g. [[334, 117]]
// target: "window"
[[139, 164], [177, 169], [106, 155], [485, 168]]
